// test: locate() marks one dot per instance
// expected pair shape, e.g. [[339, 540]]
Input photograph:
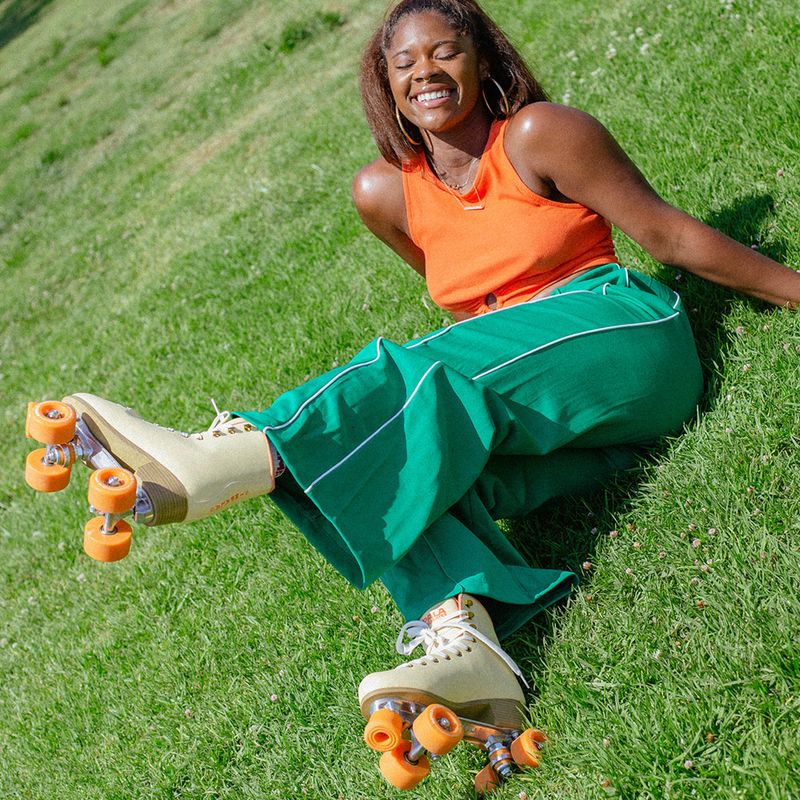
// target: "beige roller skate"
[[464, 687], [156, 475]]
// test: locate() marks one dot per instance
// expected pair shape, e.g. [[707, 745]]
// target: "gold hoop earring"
[[404, 131], [505, 108]]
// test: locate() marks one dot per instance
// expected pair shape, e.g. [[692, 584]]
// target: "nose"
[[425, 73]]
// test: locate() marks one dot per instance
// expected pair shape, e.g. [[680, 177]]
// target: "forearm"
[[712, 255]]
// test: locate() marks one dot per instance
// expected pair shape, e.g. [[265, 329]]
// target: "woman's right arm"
[[380, 202]]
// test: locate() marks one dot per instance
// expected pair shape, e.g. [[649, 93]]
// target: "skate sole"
[[497, 712]]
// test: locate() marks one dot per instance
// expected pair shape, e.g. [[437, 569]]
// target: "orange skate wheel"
[[438, 729], [486, 780], [525, 748], [399, 771], [45, 477], [106, 546], [384, 730], [112, 490], [50, 422]]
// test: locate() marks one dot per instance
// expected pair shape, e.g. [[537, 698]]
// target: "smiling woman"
[[563, 364], [465, 31]]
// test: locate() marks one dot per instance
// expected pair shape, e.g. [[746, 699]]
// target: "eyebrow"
[[406, 50]]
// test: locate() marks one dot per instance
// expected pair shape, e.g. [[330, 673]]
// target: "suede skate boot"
[[464, 667], [185, 476]]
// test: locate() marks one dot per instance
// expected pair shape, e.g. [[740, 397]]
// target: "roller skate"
[[464, 687], [153, 474]]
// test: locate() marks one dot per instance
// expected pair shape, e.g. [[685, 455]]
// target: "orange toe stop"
[[486, 780]]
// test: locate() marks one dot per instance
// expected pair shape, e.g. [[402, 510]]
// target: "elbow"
[[663, 245], [666, 241]]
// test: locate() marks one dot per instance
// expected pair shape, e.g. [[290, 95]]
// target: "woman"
[[561, 365]]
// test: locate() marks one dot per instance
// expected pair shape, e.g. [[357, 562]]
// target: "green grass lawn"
[[176, 225]]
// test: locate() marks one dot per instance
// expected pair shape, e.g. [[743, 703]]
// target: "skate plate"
[[113, 490], [406, 733]]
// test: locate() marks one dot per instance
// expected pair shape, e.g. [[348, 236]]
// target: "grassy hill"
[[176, 225]]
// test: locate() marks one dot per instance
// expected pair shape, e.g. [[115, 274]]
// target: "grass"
[[175, 225]]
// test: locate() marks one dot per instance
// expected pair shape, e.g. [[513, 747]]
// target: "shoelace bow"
[[221, 418], [447, 637]]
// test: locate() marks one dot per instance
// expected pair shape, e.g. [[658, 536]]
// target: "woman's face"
[[434, 72]]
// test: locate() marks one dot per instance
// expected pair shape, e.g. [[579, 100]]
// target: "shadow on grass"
[[564, 532], [18, 16]]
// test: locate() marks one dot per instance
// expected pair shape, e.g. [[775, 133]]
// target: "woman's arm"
[[380, 201], [572, 152]]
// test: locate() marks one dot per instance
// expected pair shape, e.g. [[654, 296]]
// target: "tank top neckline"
[[474, 191]]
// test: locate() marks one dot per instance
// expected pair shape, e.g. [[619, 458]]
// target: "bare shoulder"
[[380, 201], [546, 125], [378, 191]]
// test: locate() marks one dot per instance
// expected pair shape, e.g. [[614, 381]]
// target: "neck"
[[453, 149]]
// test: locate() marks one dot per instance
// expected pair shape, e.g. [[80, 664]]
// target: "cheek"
[[398, 88]]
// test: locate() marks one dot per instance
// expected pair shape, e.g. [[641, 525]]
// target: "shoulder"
[[378, 195], [556, 146], [374, 182], [546, 127], [380, 201]]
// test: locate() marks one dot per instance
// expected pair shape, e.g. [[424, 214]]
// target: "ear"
[[483, 69]]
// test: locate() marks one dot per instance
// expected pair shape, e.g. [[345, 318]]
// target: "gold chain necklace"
[[455, 189], [444, 176]]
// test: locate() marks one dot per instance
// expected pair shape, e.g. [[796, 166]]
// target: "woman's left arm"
[[572, 152]]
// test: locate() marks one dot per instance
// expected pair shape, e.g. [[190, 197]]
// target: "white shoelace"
[[220, 420], [447, 637]]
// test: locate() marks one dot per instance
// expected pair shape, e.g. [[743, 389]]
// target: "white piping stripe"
[[376, 432], [574, 336], [677, 299], [409, 347], [326, 386], [437, 363], [533, 300]]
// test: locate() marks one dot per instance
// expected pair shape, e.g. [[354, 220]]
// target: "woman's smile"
[[433, 98], [434, 72]]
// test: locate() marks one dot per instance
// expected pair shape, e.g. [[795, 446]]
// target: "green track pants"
[[399, 463]]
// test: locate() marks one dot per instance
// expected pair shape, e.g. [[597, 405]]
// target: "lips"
[[430, 98]]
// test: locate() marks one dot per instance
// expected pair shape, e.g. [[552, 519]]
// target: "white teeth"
[[425, 96]]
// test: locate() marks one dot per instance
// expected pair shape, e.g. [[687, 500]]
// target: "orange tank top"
[[517, 244]]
